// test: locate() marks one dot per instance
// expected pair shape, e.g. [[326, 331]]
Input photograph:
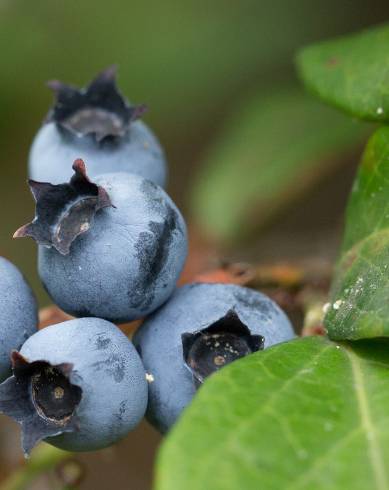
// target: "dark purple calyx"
[[41, 398], [226, 340], [64, 211], [98, 110]]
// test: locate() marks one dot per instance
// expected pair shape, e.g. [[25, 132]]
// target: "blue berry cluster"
[[111, 247]]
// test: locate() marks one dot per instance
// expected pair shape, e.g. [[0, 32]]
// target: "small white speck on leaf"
[[337, 304], [380, 110]]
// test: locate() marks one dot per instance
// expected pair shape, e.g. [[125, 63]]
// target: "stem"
[[313, 304], [44, 458]]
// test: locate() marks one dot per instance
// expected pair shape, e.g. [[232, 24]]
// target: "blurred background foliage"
[[244, 144]]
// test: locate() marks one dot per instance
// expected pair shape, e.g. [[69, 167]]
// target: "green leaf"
[[308, 414], [359, 298], [270, 152], [351, 73]]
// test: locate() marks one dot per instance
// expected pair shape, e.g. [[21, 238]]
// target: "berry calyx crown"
[[64, 211]]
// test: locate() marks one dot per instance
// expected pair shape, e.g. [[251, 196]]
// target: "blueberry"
[[113, 249], [199, 330], [19, 313], [97, 123], [79, 385]]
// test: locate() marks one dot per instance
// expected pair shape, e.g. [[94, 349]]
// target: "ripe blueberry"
[[80, 385], [98, 123], [199, 330], [112, 249], [19, 313]]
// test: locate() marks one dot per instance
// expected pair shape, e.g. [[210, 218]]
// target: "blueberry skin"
[[18, 313], [194, 307], [138, 152], [109, 371], [127, 264]]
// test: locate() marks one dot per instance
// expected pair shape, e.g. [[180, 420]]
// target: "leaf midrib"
[[374, 449], [366, 427]]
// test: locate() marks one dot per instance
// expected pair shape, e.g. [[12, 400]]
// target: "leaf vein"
[[374, 450]]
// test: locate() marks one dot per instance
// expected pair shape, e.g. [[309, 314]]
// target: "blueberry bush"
[[244, 400]]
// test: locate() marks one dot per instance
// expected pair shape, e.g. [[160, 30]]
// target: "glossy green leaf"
[[359, 299], [271, 151], [304, 415], [351, 72]]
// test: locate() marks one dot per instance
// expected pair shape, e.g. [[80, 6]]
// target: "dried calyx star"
[[64, 211], [41, 398], [226, 340], [99, 110]]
